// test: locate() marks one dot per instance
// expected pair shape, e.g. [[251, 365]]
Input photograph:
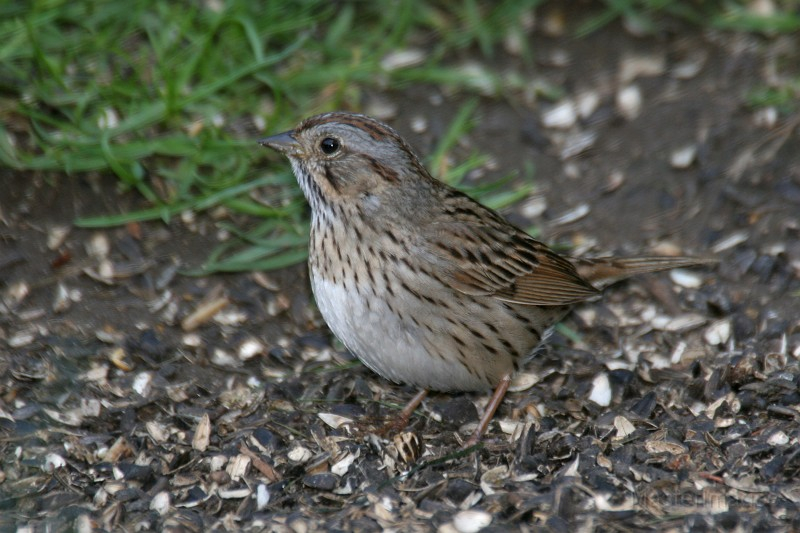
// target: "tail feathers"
[[603, 271]]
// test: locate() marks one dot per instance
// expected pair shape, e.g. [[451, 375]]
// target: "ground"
[[136, 397]]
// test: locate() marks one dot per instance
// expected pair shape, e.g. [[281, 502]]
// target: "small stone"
[[160, 503], [778, 438], [690, 66], [766, 117], [341, 467], [143, 384], [577, 143], [587, 103], [419, 124], [635, 66], [683, 157], [53, 461], [534, 206], [222, 357], [685, 278], [262, 497], [601, 390], [730, 241], [629, 102], [250, 348], [402, 59], [234, 494], [718, 332], [300, 454], [56, 236], [98, 246], [471, 520], [562, 116], [574, 214], [381, 108]]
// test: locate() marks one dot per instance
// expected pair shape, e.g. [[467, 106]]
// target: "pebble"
[[143, 384], [53, 461], [341, 467], [381, 108], [690, 66], [730, 241], [629, 102], [56, 236], [300, 454], [685, 278], [262, 497], [234, 494], [534, 207], [402, 59], [679, 323], [577, 143], [224, 358], [561, 116], [160, 503], [683, 157], [98, 246], [601, 390], [587, 103], [635, 66], [419, 124], [574, 214], [471, 520], [250, 348], [718, 332], [766, 117]]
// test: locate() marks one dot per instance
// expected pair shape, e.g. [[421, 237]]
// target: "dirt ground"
[[133, 397]]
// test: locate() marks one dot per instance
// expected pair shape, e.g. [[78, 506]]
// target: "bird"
[[426, 286]]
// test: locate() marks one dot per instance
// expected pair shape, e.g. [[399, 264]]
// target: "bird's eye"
[[329, 145]]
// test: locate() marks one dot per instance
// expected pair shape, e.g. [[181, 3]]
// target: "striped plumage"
[[426, 286]]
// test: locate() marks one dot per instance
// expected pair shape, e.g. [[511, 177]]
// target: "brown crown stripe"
[[375, 129]]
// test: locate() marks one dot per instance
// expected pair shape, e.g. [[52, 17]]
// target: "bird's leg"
[[405, 415], [412, 405], [488, 413]]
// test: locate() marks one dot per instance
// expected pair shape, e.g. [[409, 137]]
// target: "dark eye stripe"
[[384, 171], [331, 178]]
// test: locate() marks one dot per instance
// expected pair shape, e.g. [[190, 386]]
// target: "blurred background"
[[169, 97]]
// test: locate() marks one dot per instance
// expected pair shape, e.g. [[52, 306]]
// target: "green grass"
[[169, 97], [784, 98], [649, 16]]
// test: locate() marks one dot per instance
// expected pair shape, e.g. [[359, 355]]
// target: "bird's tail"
[[603, 271]]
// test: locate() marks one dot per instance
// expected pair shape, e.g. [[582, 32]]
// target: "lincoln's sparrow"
[[423, 284]]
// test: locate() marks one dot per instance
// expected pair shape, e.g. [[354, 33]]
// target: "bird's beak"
[[284, 143]]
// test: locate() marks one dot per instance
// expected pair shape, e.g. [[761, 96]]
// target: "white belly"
[[388, 345]]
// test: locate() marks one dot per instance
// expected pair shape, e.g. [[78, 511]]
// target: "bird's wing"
[[487, 256]]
